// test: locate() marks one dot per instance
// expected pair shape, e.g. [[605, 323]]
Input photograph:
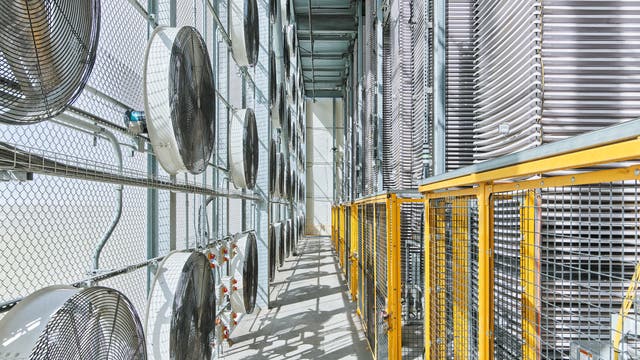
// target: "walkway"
[[312, 316]]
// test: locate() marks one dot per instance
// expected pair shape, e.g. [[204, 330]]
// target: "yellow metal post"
[[460, 275], [530, 278], [341, 237], [485, 274], [427, 279], [375, 281], [394, 286], [354, 252]]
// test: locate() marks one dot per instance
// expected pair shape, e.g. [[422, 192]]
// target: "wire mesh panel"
[[412, 276], [507, 288], [361, 257], [589, 253], [381, 279], [369, 312], [453, 227], [347, 241]]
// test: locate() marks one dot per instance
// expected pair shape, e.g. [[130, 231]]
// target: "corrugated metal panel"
[[419, 101], [508, 80], [591, 58], [459, 84], [390, 150]]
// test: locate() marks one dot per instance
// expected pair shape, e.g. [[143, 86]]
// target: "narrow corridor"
[[312, 316]]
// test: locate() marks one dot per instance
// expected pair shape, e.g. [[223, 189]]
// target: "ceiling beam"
[[324, 56], [327, 23]]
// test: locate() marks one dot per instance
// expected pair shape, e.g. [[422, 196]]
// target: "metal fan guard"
[[95, 323], [47, 53], [194, 309]]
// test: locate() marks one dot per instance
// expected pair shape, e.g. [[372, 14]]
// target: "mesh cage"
[[507, 287], [369, 276], [361, 259], [588, 246], [453, 277], [347, 241], [381, 279], [412, 277]]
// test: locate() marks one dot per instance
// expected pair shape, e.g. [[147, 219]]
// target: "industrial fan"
[[281, 176], [273, 169], [243, 149], [47, 52], [178, 99], [286, 55], [281, 235], [276, 95], [286, 183], [285, 12], [64, 322], [292, 40], [181, 308], [287, 238], [273, 11], [245, 32], [244, 274], [273, 252], [291, 237]]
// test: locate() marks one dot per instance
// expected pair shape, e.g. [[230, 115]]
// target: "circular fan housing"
[[281, 178], [243, 150], [286, 184], [281, 235], [63, 322], [287, 238], [285, 11], [273, 11], [244, 270], [47, 52], [291, 39], [245, 32], [179, 92], [291, 236], [286, 56], [276, 95], [180, 316], [273, 251], [273, 171]]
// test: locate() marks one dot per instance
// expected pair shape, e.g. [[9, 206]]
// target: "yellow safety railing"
[[375, 273], [536, 259]]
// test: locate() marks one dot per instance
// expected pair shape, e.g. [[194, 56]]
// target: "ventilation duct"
[[47, 52], [243, 150], [181, 308], [178, 93], [245, 32]]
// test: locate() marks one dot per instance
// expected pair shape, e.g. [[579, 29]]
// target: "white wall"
[[321, 117]]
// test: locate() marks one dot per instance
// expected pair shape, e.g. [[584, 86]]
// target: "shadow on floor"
[[311, 318]]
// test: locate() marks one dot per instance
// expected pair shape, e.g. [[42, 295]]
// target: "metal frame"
[[503, 175], [392, 314]]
